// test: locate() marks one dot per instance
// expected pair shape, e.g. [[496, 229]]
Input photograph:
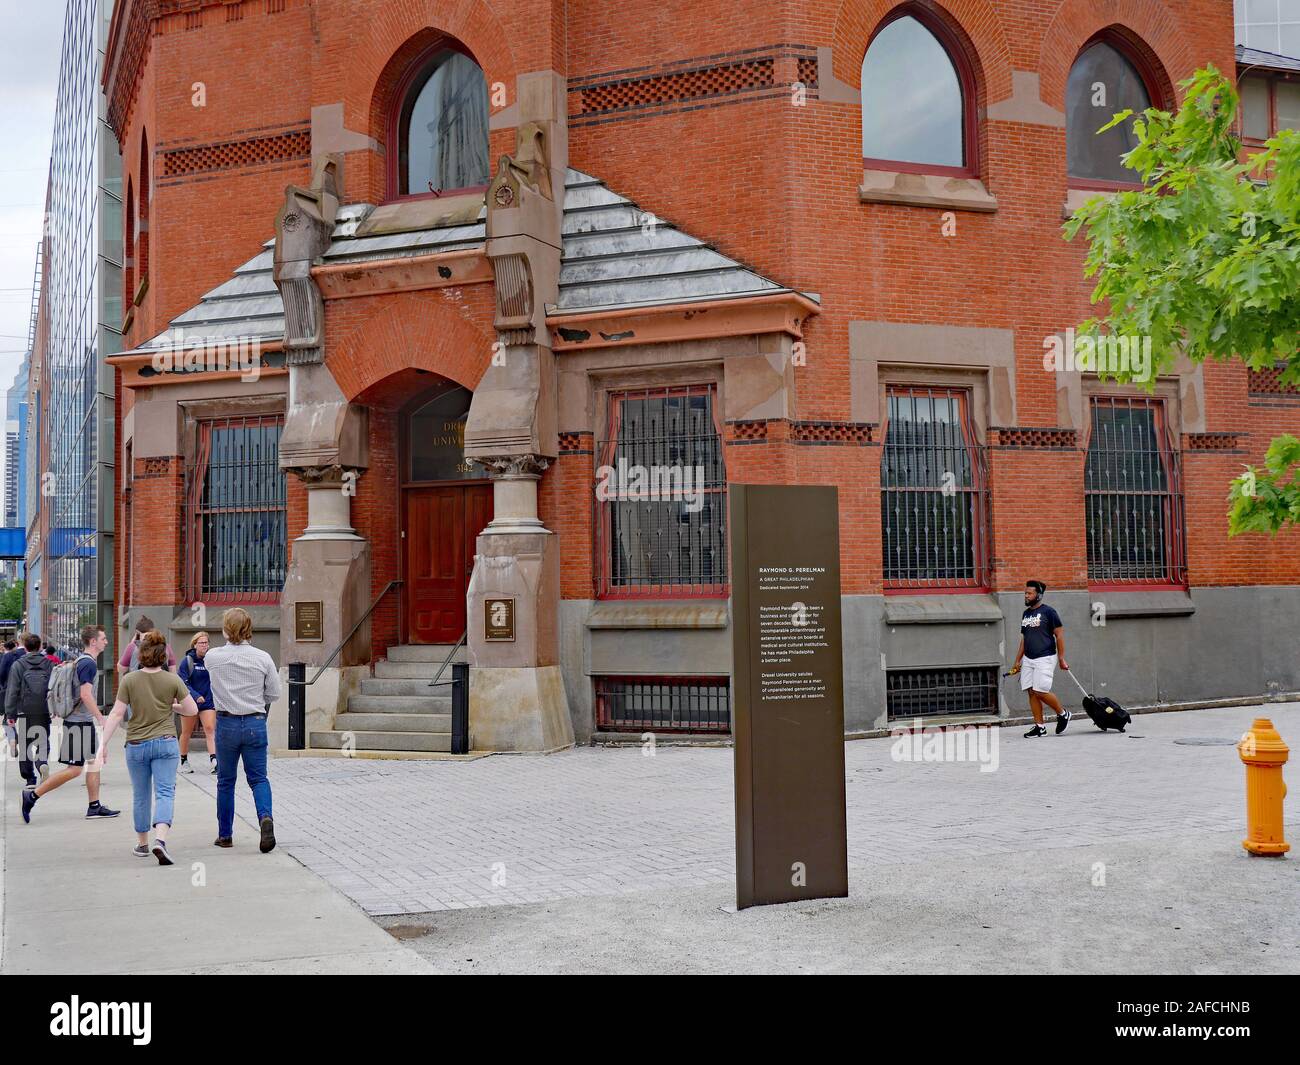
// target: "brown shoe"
[[223, 841], [268, 835]]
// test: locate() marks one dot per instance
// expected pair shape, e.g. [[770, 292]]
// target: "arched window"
[[440, 126], [1104, 80], [128, 255], [142, 222], [918, 97]]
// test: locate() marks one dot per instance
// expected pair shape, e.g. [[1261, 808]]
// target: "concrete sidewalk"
[[73, 898]]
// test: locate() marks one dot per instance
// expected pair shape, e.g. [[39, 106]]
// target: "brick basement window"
[[912, 693], [663, 704]]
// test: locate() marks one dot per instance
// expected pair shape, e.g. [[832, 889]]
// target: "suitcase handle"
[[1077, 683]]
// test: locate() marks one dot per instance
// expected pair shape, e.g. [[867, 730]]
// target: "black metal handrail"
[[298, 671], [355, 628], [459, 696], [447, 661]]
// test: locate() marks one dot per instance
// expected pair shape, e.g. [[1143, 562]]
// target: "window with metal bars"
[[236, 542], [938, 692], [933, 488], [663, 704], [661, 497], [1133, 495]]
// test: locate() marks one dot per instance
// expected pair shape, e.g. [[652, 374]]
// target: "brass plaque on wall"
[[308, 622], [787, 694], [498, 620]]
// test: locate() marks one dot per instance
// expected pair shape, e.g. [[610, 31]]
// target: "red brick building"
[[743, 242]]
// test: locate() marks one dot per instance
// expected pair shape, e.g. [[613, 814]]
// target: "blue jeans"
[[152, 766], [240, 737]]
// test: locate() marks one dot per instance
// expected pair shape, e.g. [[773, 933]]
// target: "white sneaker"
[[185, 766]]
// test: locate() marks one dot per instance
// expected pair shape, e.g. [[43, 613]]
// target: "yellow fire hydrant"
[[1264, 753]]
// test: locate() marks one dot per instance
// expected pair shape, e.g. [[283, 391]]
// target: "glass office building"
[[1269, 25], [82, 283]]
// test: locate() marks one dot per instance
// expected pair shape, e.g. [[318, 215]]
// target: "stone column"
[[517, 697]]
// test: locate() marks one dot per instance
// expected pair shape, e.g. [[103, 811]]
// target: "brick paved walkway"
[[413, 837]]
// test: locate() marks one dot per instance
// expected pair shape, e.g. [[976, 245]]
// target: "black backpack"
[[35, 685]]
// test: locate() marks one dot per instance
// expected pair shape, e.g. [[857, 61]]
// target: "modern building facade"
[[15, 479], [439, 308], [70, 553]]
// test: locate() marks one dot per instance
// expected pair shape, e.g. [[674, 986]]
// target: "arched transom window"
[[442, 126]]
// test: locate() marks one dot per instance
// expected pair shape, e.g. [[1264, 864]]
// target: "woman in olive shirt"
[[152, 753]]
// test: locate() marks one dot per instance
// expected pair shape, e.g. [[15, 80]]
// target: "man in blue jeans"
[[244, 684]]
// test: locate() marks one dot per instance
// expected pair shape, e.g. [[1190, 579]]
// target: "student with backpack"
[[194, 674], [25, 690], [71, 697]]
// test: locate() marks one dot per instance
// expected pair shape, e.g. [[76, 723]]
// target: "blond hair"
[[194, 640], [237, 625]]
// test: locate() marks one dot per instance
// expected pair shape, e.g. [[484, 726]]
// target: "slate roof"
[[615, 257], [1253, 57]]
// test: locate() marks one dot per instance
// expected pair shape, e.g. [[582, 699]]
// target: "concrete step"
[[433, 652], [399, 704], [382, 741], [389, 686], [410, 671], [351, 722]]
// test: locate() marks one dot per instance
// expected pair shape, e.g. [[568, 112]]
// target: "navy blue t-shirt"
[[1037, 626], [86, 670]]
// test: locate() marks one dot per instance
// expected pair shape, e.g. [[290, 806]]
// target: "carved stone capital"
[[326, 476], [515, 466]]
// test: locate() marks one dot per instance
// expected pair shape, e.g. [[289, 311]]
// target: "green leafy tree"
[[11, 601], [1205, 260]]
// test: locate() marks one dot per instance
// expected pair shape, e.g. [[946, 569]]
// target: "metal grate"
[[934, 494], [939, 692], [661, 497], [663, 704], [1133, 495], [234, 516]]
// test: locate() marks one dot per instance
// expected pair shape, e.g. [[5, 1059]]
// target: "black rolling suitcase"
[[1105, 713]]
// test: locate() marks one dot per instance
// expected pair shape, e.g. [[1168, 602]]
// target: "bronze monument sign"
[[308, 621], [498, 620], [788, 694]]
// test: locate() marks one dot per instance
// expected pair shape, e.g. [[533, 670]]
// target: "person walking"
[[1042, 648], [80, 726], [244, 684], [25, 691], [194, 674], [12, 653], [130, 658], [150, 691]]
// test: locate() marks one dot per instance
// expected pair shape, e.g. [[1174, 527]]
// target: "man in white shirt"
[[245, 683]]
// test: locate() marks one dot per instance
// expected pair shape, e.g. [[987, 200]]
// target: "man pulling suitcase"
[[1042, 647]]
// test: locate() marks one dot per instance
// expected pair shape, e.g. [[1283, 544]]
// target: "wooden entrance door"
[[441, 524]]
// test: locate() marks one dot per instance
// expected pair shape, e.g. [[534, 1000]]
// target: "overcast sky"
[[30, 39]]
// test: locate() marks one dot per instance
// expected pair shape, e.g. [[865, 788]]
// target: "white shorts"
[[1037, 673]]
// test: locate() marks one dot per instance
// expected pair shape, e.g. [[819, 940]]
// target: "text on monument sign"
[[308, 622]]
